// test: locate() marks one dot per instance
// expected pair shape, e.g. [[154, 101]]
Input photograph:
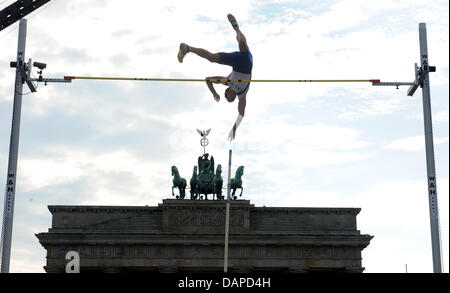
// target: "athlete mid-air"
[[242, 63]]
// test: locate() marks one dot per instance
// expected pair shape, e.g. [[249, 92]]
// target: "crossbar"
[[393, 83], [218, 80]]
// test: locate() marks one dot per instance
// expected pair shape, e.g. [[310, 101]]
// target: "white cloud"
[[413, 143], [41, 173], [441, 116]]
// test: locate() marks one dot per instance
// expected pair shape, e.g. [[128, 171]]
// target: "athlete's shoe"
[[182, 52], [233, 21]]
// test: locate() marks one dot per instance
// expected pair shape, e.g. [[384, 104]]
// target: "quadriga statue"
[[204, 181]]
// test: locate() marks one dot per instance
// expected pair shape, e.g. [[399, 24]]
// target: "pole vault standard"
[[23, 73], [429, 148], [423, 80], [8, 212]]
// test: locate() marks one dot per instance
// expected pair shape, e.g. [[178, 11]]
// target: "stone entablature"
[[205, 216], [186, 235]]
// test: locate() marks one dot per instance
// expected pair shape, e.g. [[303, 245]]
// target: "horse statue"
[[178, 182], [194, 184], [218, 183], [236, 182]]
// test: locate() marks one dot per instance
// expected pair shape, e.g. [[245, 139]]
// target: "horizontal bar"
[[51, 80], [393, 83], [219, 80]]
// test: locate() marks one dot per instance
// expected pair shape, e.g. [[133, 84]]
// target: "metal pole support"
[[10, 191], [429, 148]]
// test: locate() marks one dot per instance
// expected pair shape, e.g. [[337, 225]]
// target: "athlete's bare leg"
[[242, 41], [212, 57], [243, 47]]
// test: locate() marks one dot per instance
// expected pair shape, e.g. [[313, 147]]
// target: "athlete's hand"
[[232, 134], [216, 97]]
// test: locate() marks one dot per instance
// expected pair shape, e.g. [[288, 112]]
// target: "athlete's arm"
[[241, 110], [241, 106], [209, 82]]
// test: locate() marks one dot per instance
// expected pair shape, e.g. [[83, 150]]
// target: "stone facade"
[[188, 236]]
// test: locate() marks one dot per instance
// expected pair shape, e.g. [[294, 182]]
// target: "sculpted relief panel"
[[204, 217]]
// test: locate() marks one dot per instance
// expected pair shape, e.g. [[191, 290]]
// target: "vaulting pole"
[[11, 177], [227, 216]]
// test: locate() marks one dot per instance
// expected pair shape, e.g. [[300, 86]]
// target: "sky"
[[302, 145]]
